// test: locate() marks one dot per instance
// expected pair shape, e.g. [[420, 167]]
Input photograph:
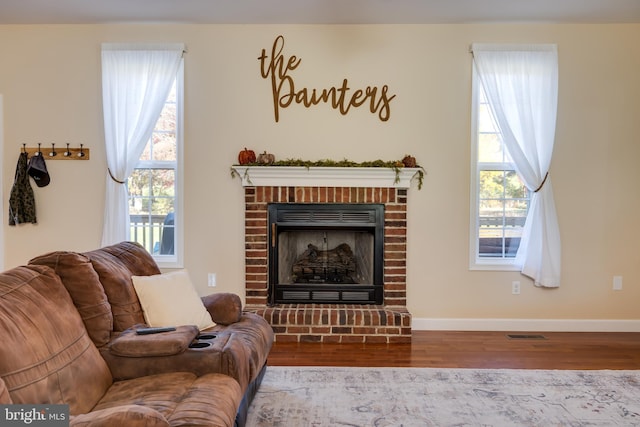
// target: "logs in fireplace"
[[326, 253], [325, 266]]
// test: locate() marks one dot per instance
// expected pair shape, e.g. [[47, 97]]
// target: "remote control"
[[147, 331]]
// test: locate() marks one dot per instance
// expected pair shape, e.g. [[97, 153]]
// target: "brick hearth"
[[330, 323], [387, 323]]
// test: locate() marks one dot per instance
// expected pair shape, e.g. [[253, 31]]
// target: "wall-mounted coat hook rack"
[[69, 153]]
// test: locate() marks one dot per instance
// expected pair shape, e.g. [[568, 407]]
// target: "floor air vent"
[[526, 337]]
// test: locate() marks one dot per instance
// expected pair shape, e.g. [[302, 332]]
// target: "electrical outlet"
[[617, 283], [515, 288], [212, 280]]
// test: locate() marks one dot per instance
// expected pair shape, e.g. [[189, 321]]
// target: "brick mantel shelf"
[[339, 323], [320, 176]]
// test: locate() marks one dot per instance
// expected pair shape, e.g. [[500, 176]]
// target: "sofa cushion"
[[130, 344], [171, 300], [125, 415], [115, 265], [46, 352], [184, 399], [83, 284]]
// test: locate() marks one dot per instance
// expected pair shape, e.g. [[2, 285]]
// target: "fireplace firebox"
[[326, 253]]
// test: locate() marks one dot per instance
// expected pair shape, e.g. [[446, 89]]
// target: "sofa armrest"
[[225, 308], [130, 344], [125, 415]]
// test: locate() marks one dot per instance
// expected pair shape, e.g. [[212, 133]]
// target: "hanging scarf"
[[22, 204]]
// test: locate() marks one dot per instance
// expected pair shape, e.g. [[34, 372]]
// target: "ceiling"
[[317, 11]]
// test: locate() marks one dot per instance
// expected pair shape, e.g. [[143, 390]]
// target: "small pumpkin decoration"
[[266, 158], [246, 156], [409, 161]]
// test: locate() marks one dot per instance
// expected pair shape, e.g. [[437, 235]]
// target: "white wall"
[[50, 78]]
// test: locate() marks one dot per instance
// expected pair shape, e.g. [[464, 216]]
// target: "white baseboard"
[[540, 325]]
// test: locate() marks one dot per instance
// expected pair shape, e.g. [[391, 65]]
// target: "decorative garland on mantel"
[[396, 165]]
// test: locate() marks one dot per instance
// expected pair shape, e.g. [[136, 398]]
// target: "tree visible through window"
[[501, 199], [152, 185]]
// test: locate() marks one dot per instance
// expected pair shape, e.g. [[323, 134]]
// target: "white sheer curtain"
[[136, 80], [521, 84]]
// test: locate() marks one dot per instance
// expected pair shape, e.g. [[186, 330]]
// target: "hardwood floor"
[[452, 349]]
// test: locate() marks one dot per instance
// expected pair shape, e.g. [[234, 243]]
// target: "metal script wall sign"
[[341, 98]]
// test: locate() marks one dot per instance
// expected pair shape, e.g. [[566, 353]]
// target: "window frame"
[[475, 261], [177, 259]]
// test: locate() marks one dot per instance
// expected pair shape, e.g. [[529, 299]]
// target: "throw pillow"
[[169, 299]]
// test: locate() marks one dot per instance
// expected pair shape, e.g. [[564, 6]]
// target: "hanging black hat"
[[38, 170]]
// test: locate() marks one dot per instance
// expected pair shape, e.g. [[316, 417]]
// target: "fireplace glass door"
[[325, 257], [326, 253]]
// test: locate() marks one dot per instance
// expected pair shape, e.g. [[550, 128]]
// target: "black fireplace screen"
[[326, 253]]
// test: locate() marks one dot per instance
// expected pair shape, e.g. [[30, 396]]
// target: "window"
[[521, 86], [500, 200], [155, 185]]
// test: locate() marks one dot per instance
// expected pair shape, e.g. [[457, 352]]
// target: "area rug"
[[328, 396]]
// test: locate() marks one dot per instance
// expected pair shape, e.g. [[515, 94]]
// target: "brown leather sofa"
[[205, 375]]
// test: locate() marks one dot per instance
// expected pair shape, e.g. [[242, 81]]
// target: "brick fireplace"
[[389, 322]]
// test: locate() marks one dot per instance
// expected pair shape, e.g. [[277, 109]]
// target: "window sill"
[[493, 266], [168, 262]]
